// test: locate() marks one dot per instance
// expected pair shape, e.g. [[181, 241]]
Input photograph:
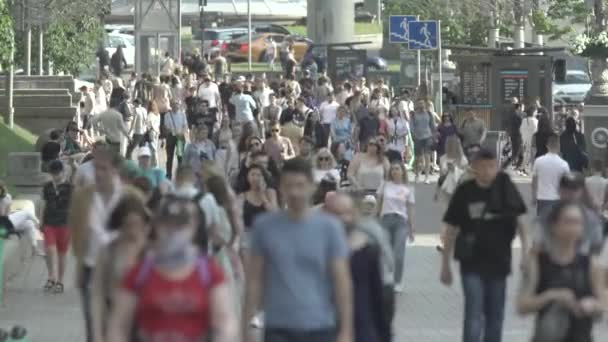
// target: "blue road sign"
[[398, 28], [423, 35]]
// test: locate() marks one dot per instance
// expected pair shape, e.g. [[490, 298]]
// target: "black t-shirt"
[[57, 201], [50, 151], [493, 233]]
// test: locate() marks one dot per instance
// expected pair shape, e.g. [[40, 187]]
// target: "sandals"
[[53, 287], [58, 289], [49, 286]]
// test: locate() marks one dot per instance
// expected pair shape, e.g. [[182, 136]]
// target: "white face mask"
[[173, 247]]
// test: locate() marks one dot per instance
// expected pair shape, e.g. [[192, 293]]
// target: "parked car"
[[574, 88], [266, 28], [114, 40], [216, 39], [238, 49]]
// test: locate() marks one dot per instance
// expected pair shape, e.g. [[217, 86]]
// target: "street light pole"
[[249, 33]]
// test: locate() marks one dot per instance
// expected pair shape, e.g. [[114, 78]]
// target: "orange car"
[[238, 49]]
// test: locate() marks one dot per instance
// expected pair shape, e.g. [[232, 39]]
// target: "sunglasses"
[[324, 159], [276, 130], [256, 144]]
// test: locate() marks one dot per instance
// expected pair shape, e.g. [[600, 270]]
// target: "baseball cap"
[[144, 151], [369, 199]]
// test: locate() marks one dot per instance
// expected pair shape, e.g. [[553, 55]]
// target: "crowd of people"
[[288, 204]]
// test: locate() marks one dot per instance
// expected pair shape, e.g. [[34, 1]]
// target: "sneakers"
[[258, 321], [399, 288]]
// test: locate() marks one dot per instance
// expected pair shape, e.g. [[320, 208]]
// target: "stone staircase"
[[42, 102]]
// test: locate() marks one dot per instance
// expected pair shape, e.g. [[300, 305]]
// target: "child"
[[56, 195]]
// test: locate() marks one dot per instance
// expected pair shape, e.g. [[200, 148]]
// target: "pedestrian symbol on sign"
[[423, 35], [399, 30], [424, 31]]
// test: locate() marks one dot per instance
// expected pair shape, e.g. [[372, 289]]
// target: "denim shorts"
[[423, 146]]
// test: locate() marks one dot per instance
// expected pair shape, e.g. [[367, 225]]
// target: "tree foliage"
[[468, 21], [463, 22], [71, 44], [72, 32], [7, 35]]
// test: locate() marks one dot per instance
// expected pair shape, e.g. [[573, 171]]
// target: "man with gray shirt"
[[423, 134], [472, 130], [298, 270]]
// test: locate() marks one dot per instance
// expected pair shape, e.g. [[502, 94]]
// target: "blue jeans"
[[484, 307], [542, 206], [397, 230]]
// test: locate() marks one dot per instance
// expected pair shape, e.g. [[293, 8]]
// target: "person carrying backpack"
[[175, 293]]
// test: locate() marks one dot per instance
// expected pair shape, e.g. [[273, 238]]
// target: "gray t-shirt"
[[423, 126], [472, 131], [297, 279]]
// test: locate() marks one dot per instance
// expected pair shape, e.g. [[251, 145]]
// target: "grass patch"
[[14, 140], [244, 67], [360, 28]]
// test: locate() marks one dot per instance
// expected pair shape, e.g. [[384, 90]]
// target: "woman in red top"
[[175, 294]]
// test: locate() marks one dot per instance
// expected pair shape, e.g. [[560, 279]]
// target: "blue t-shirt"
[[297, 279], [155, 175]]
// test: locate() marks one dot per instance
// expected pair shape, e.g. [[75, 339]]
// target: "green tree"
[[463, 22], [7, 35], [72, 32], [71, 44]]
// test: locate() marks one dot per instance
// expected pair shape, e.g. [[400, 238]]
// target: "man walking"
[[472, 130], [88, 215], [482, 218], [547, 172], [111, 124], [299, 268], [423, 132], [176, 125]]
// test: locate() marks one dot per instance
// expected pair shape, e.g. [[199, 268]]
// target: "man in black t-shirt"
[[482, 218]]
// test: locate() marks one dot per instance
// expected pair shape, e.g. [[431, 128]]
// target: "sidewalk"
[[427, 311]]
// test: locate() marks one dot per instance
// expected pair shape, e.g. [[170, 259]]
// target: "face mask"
[[173, 249]]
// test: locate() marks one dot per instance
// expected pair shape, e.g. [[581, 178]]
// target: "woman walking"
[[573, 147], [563, 287], [396, 210], [130, 220], [175, 293], [152, 135], [528, 128], [368, 170]]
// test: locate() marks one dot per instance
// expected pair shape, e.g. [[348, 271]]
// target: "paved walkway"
[[427, 311]]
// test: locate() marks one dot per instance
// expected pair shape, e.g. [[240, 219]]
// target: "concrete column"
[[331, 21], [40, 50], [28, 50]]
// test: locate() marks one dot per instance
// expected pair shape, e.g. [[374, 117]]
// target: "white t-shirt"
[[209, 93], [328, 111], [395, 198], [596, 187], [140, 121], [85, 174], [549, 170], [5, 204], [319, 174], [263, 96]]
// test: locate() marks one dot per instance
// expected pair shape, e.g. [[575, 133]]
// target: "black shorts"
[[86, 121]]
